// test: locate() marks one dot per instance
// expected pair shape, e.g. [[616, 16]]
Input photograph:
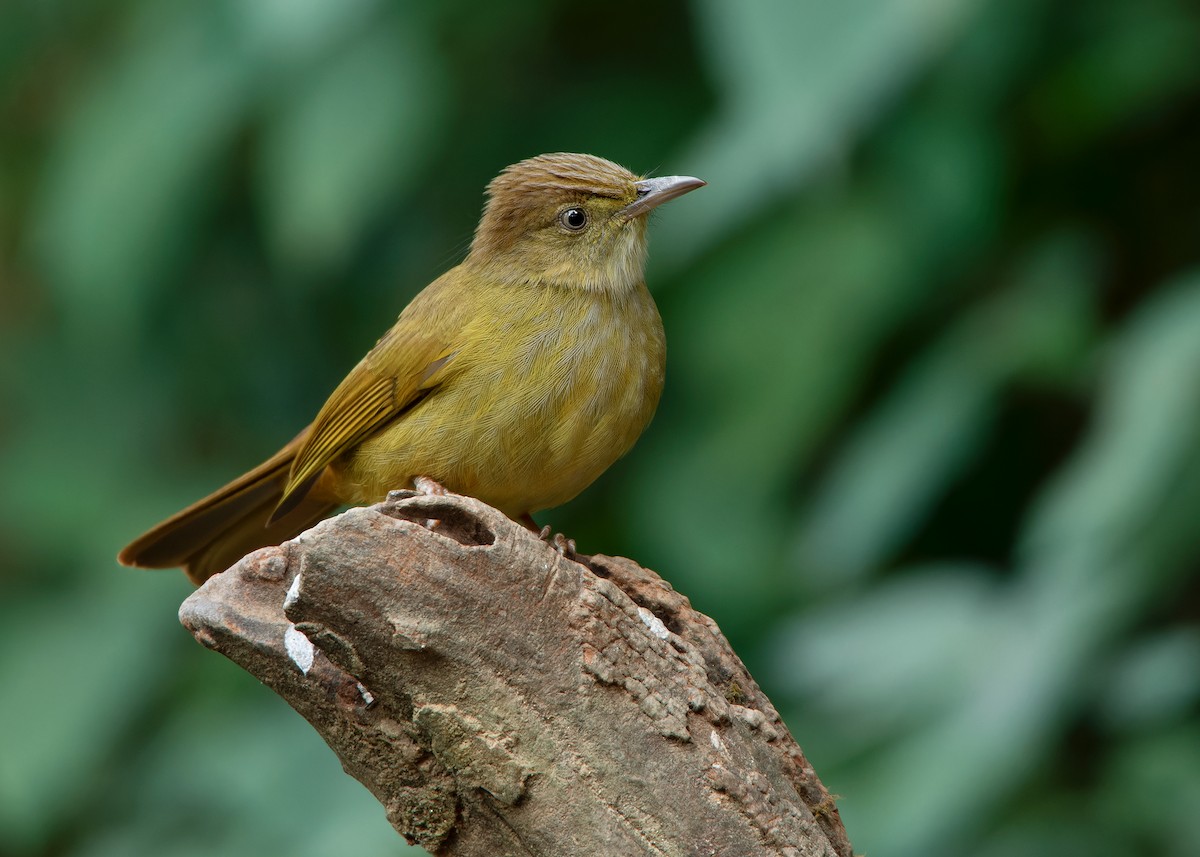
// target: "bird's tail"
[[214, 533]]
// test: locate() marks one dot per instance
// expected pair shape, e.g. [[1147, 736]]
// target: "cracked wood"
[[498, 698]]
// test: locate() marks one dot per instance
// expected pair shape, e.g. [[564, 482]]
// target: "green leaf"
[[136, 160], [1144, 437], [900, 459], [798, 81], [345, 142], [87, 665]]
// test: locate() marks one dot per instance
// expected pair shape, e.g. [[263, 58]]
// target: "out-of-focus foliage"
[[930, 447]]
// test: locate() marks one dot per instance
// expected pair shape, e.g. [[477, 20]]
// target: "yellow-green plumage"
[[517, 377], [538, 399]]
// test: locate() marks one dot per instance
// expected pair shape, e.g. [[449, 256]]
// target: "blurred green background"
[[929, 451]]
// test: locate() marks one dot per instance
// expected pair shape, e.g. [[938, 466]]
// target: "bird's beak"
[[654, 192]]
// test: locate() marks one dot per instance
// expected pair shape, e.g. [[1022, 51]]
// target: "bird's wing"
[[411, 359]]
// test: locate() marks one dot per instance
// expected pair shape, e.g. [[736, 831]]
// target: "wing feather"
[[411, 359]]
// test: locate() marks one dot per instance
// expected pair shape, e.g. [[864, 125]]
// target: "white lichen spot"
[[367, 698], [293, 593], [717, 743], [657, 628], [299, 648]]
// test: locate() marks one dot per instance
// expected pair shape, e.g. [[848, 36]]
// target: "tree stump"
[[499, 698]]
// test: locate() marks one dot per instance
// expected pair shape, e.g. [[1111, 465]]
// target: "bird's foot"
[[430, 488], [564, 546]]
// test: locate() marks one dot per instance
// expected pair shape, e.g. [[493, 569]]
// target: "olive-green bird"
[[517, 377]]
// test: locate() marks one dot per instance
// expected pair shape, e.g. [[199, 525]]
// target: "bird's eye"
[[574, 219]]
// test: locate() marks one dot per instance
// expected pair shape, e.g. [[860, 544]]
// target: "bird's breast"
[[544, 394]]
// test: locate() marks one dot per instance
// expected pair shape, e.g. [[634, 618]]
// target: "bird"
[[517, 377]]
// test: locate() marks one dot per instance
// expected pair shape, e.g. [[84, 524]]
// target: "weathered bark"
[[500, 699]]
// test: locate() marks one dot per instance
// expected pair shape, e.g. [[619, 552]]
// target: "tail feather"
[[212, 534], [251, 531]]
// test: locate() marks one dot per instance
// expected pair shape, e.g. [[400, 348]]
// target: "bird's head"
[[570, 220]]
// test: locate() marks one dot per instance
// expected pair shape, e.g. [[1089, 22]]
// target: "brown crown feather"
[[527, 192]]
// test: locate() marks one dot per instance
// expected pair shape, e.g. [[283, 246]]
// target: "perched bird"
[[517, 377]]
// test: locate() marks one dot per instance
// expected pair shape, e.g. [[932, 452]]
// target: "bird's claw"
[[564, 546]]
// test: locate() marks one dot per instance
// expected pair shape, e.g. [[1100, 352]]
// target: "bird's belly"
[[526, 431]]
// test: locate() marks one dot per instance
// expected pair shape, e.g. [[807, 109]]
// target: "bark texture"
[[500, 699]]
